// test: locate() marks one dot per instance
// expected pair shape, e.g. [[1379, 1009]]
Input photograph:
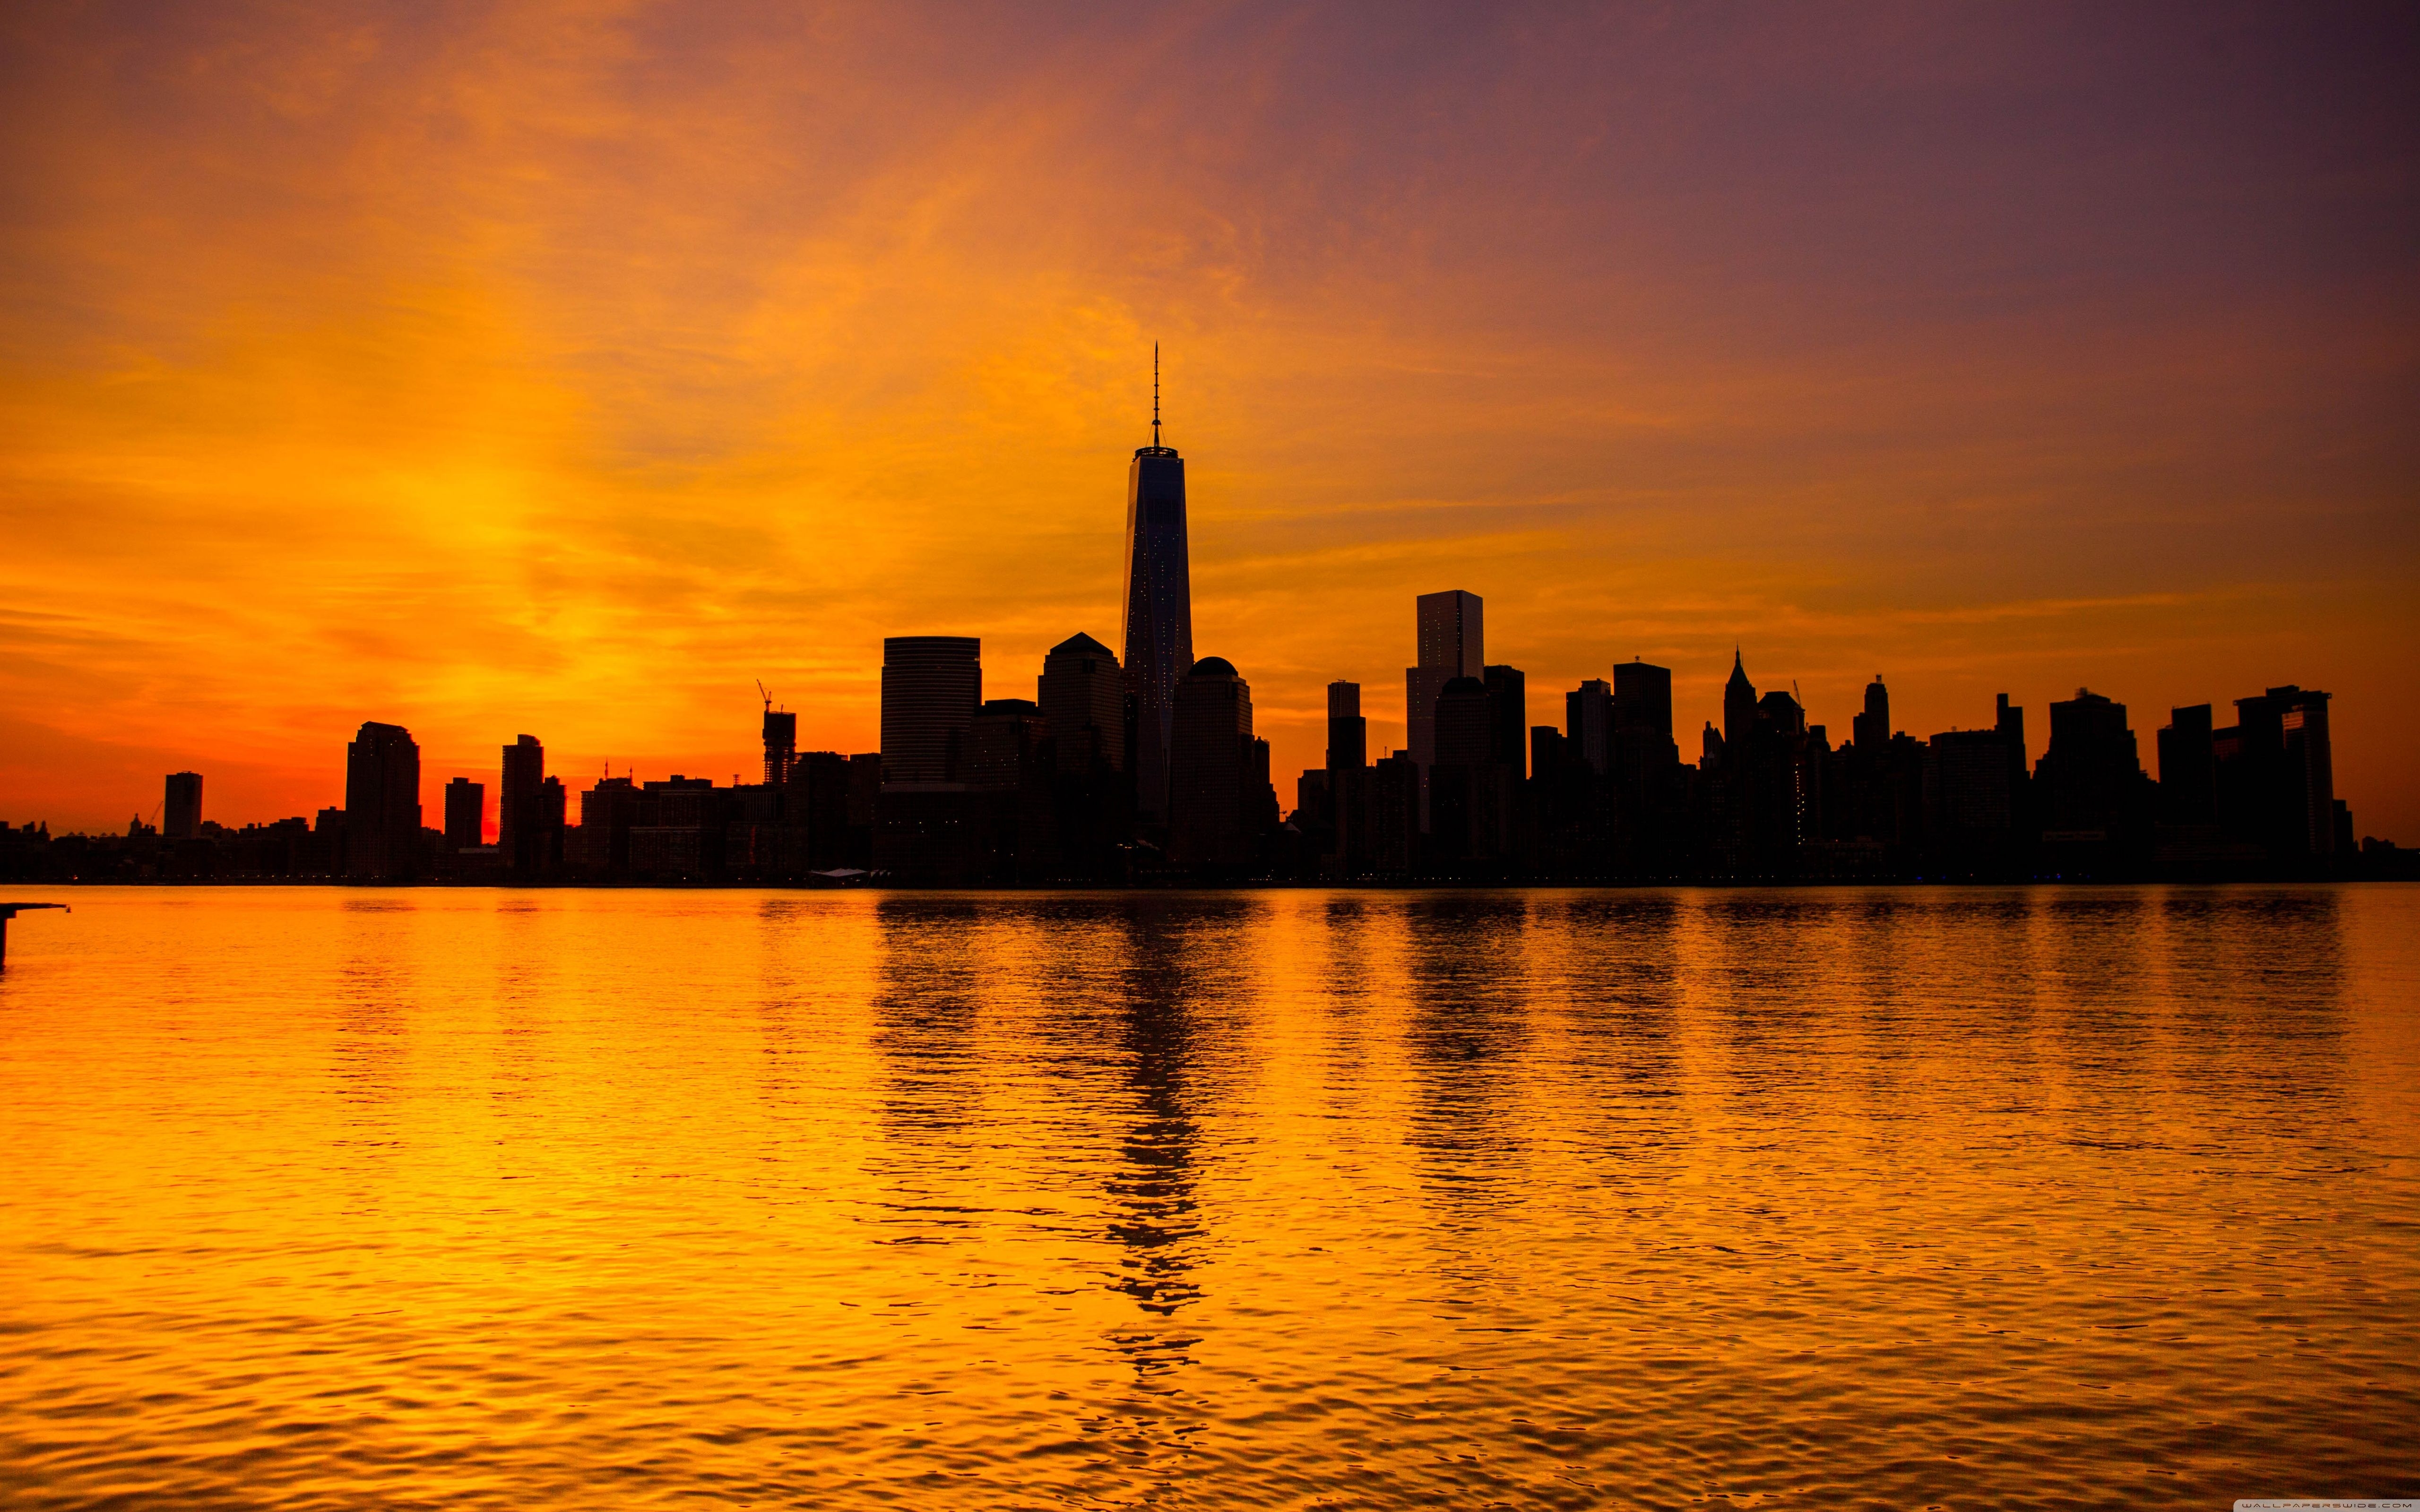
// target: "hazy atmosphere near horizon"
[[1209, 755], [491, 369]]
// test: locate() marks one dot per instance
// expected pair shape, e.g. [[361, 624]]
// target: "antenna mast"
[[1154, 396]]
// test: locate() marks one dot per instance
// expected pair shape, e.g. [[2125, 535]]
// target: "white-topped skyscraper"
[[1158, 607]]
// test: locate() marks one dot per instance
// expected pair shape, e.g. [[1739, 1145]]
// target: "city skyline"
[[2005, 351]]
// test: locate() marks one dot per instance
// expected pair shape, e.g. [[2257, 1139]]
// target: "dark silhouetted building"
[[2188, 768], [1213, 814], [929, 824], [781, 745], [2096, 804], [1348, 733], [1451, 629], [1739, 701], [602, 845], [466, 814], [2277, 776], [931, 686], [1508, 720], [1465, 781], [1082, 696], [1871, 730], [1011, 769], [521, 829], [1645, 771], [181, 818], [1588, 724], [1083, 699], [381, 812], [1971, 802], [1158, 631]]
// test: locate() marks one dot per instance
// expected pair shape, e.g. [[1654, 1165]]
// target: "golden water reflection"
[[2009, 1197]]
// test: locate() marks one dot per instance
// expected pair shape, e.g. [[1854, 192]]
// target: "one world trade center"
[[1159, 608]]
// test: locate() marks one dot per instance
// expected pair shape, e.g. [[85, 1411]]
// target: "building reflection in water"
[[1609, 966], [925, 1007], [1468, 1025], [378, 990], [1181, 962], [2257, 977]]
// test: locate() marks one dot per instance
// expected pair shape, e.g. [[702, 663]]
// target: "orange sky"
[[566, 369]]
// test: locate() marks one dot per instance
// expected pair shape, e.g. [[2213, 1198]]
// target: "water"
[[2033, 1197]]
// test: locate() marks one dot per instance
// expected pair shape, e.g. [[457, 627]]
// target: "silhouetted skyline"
[[1060, 788]]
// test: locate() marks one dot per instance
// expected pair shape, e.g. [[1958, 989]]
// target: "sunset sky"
[[566, 369]]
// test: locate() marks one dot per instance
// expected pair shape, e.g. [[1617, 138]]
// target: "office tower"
[[553, 800], [1010, 765], [1642, 699], [2276, 778], [931, 686], [1588, 723], [382, 811], [1003, 742], [1645, 768], [1452, 630], [1462, 795], [466, 814], [518, 830], [183, 815], [2091, 774], [1508, 720], [2010, 723], [1158, 631], [781, 744], [1871, 730], [1210, 760], [2310, 768], [2188, 768], [1348, 733], [1739, 704], [607, 812], [1464, 732], [1970, 809], [1082, 696]]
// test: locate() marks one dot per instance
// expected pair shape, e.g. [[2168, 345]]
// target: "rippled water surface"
[[340, 1198]]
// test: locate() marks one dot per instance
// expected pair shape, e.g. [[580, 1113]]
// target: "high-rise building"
[[466, 814], [1348, 733], [183, 815], [1464, 733], [382, 804], [1588, 723], [1452, 630], [2276, 777], [2188, 767], [2310, 768], [1739, 704], [2092, 774], [781, 744], [931, 686], [519, 830], [1646, 765], [1871, 730], [1642, 699], [1082, 694], [1508, 720], [1158, 630], [554, 799], [1211, 760]]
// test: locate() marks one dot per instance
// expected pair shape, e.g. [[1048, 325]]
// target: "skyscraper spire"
[[1159, 629]]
